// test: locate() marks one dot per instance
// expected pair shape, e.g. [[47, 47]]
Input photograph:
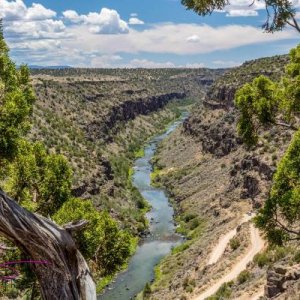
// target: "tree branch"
[[284, 227], [67, 275], [75, 226], [3, 247], [279, 123]]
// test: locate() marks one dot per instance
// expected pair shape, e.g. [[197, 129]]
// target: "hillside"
[[100, 118], [214, 182]]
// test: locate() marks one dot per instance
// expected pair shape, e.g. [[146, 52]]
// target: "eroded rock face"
[[281, 279], [223, 95], [126, 111], [252, 176], [218, 137]]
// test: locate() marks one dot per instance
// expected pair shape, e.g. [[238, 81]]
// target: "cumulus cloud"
[[193, 38], [73, 16], [36, 32], [29, 23], [17, 10], [107, 21], [135, 21], [161, 39], [39, 12]]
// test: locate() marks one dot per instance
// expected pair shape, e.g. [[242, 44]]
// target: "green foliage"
[[181, 247], [39, 181], [234, 243], [280, 13], [262, 101], [271, 255], [102, 240], [223, 292], [16, 98], [243, 277], [281, 213], [257, 105], [147, 290], [289, 91], [262, 259]]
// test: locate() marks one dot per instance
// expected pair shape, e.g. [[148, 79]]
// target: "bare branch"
[[279, 123], [76, 226], [67, 275]]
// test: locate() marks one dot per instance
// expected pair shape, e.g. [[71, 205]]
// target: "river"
[[162, 229]]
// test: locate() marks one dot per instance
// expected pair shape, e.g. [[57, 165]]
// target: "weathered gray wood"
[[67, 275]]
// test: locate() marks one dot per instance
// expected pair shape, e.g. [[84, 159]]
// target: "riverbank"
[[162, 236]]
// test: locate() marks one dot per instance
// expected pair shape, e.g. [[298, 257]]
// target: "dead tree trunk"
[[66, 276]]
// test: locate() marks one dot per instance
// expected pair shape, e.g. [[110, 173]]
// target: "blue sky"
[[137, 33]]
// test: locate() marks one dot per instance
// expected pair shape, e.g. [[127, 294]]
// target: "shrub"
[[147, 290], [234, 243], [262, 259], [243, 277]]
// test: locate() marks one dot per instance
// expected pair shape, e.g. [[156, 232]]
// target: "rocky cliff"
[[222, 91], [126, 111], [214, 181]]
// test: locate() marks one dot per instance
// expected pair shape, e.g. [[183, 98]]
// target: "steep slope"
[[100, 118], [213, 180]]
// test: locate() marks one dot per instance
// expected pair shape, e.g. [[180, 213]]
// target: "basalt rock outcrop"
[[217, 135], [283, 282], [126, 111], [221, 93]]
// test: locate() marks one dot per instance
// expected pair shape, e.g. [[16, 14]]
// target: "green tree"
[[39, 181], [279, 12], [16, 98], [102, 240], [263, 103], [280, 216], [257, 105]]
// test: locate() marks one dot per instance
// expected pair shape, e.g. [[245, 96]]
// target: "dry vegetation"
[[99, 119], [213, 178]]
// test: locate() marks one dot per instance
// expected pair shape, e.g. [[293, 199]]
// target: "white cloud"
[[243, 8], [149, 64], [161, 39], [17, 10], [144, 63], [135, 21], [39, 12], [36, 32], [226, 63], [193, 38], [108, 21], [12, 10], [46, 29], [104, 61], [241, 13], [195, 66], [72, 16], [29, 23]]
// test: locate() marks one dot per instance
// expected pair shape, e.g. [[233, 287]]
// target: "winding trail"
[[223, 242], [257, 244]]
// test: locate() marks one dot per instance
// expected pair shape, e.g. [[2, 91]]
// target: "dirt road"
[[256, 246]]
